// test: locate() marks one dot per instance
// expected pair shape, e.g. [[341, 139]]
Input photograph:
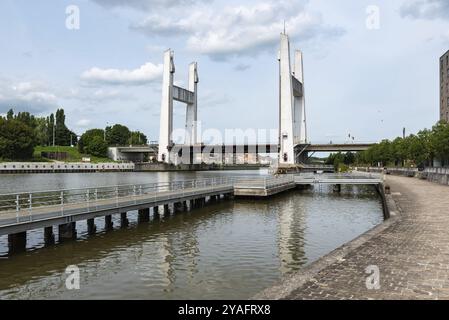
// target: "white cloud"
[[83, 123], [146, 73], [33, 97], [143, 4], [94, 95], [425, 9], [238, 30]]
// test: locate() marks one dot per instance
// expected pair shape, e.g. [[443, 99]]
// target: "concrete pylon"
[[292, 119], [166, 117], [300, 104], [170, 92], [192, 108]]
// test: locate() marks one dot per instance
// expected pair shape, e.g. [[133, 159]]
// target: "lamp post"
[[54, 126]]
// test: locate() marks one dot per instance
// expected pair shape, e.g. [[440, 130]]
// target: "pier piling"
[[143, 215], [17, 242], [124, 222], [67, 231], [49, 236], [108, 224], [178, 207], [91, 227]]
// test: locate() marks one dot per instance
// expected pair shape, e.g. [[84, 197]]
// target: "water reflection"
[[230, 249]]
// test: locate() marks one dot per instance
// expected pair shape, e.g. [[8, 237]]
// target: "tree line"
[[97, 141], [414, 150], [20, 133]]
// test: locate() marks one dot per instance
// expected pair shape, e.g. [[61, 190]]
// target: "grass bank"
[[73, 155]]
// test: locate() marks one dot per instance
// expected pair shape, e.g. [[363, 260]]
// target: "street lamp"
[[54, 125]]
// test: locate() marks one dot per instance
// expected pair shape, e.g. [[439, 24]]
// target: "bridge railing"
[[338, 176], [264, 182], [29, 201]]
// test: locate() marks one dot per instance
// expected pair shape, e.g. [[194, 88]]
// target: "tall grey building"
[[444, 87]]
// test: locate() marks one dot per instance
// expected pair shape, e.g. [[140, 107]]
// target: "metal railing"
[[97, 195], [362, 177], [30, 206], [264, 182]]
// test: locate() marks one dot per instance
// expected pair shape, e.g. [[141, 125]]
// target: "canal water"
[[227, 250]]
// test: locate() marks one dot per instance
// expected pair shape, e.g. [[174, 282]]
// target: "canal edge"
[[287, 285]]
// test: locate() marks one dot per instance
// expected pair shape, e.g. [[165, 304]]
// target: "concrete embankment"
[[60, 167], [156, 167], [405, 257]]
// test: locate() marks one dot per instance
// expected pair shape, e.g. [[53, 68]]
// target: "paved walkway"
[[411, 251]]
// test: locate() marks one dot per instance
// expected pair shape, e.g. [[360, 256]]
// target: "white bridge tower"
[[292, 113], [188, 96]]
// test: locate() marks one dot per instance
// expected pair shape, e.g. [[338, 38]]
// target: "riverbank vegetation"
[[72, 154], [415, 150], [26, 137]]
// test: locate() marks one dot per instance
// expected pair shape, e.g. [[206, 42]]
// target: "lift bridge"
[[293, 147]]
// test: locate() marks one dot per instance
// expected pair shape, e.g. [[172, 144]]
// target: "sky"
[[370, 67]]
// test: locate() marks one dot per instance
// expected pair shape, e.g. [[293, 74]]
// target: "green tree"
[[63, 136], [40, 131], [138, 138], [349, 158], [16, 140], [97, 147], [117, 135], [50, 128], [440, 140], [10, 114], [87, 138]]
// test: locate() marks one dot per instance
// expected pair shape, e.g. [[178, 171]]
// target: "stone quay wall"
[[60, 167]]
